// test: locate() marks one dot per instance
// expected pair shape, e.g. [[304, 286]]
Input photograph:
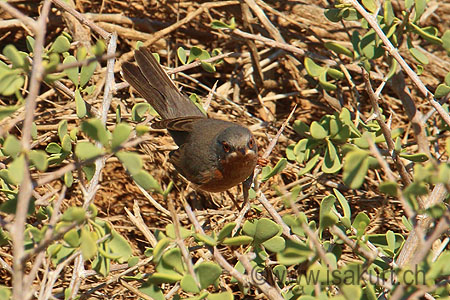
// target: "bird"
[[215, 155]]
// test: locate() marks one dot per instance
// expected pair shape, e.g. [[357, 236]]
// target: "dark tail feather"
[[150, 80]]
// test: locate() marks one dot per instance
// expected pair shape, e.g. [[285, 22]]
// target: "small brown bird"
[[213, 154]]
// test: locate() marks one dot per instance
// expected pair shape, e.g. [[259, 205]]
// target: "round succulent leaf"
[[294, 253], [249, 227], [188, 284], [60, 45], [88, 244], [318, 132], [173, 259], [87, 72], [74, 214], [442, 90], [120, 134], [6, 111], [11, 84], [309, 165], [313, 69], [160, 247], [132, 161], [182, 56], [72, 73], [221, 296], [356, 165], [274, 244], [72, 238], [338, 48], [170, 231], [360, 223], [80, 105], [417, 157], [419, 56], [39, 159], [139, 111], [11, 146], [226, 231], [238, 240], [96, 130], [343, 203], [16, 169], [208, 240], [331, 163], [159, 278], [207, 273], [265, 230], [17, 57], [120, 246], [86, 150]]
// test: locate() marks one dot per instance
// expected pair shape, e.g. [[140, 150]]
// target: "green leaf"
[[62, 129], [265, 230], [6, 111], [389, 188], [120, 247], [120, 134], [312, 68], [88, 245], [420, 6], [370, 5], [221, 296], [208, 67], [53, 148], [16, 169], [132, 161], [419, 56], [226, 231], [9, 85], [60, 45], [72, 73], [275, 244], [139, 111], [80, 105], [146, 181], [309, 165], [207, 273], [326, 85], [86, 150], [68, 179], [339, 49], [331, 163], [238, 240], [11, 146], [317, 131], [279, 167], [5, 292], [30, 43], [344, 203], [208, 240], [158, 278], [182, 56], [360, 223], [74, 214], [66, 144], [17, 58], [446, 42], [96, 130], [99, 48], [87, 72], [160, 247], [442, 90], [336, 74], [188, 284], [327, 211], [417, 157], [39, 159], [356, 165], [152, 290], [388, 12], [216, 24]]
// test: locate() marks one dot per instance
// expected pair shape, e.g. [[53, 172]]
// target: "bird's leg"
[[246, 185]]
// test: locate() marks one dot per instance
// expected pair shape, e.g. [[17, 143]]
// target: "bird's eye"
[[251, 143], [226, 147]]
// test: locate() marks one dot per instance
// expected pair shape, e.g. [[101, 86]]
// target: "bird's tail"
[[152, 82]]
